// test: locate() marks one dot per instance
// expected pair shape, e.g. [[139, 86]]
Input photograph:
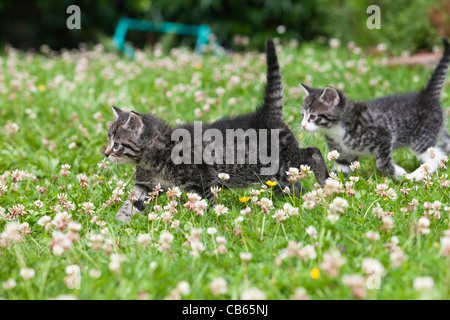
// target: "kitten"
[[378, 126], [149, 143]]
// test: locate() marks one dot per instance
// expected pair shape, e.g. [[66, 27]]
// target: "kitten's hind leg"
[[129, 209], [431, 160], [444, 141], [399, 171], [313, 158], [384, 161]]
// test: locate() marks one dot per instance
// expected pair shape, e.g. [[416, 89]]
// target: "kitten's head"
[[321, 109], [123, 137]]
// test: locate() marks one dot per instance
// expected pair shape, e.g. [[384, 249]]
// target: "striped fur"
[[273, 96], [434, 87]]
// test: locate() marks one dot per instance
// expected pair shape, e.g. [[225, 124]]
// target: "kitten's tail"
[[273, 96], [434, 87]]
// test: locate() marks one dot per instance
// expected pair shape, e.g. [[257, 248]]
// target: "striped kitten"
[[378, 126], [146, 142]]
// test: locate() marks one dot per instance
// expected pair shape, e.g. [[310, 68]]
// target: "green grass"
[[52, 115]]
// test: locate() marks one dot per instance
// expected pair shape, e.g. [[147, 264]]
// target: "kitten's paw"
[[400, 172], [415, 176], [126, 212], [124, 217]]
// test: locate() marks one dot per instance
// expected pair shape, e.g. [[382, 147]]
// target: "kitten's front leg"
[[313, 158], [432, 160], [129, 209], [343, 163], [384, 161]]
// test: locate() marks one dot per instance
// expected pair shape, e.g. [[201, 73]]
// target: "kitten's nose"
[[303, 125], [107, 153]]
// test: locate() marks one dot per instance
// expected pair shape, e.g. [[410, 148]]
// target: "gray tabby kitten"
[[378, 126], [147, 143]]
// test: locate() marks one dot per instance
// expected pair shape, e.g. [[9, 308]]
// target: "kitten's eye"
[[116, 146], [312, 117]]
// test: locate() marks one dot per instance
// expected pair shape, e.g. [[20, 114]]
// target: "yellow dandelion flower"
[[314, 273], [244, 199], [271, 183], [41, 87]]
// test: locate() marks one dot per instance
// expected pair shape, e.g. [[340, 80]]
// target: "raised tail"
[[434, 87], [273, 96]]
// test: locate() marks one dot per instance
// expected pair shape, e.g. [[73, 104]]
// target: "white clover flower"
[[333, 217], [27, 273], [94, 273], [9, 284], [253, 294], [309, 204], [445, 246], [245, 256], [333, 155], [338, 205], [357, 283], [372, 235], [332, 261], [354, 165], [423, 283], [334, 43], [224, 176], [220, 209], [280, 216], [300, 294], [144, 240], [312, 232], [397, 257], [290, 210], [218, 286], [165, 237], [183, 288], [308, 252]]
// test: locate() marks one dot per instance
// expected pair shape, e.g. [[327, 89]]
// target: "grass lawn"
[[59, 236]]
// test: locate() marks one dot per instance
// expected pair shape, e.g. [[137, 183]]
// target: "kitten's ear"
[[307, 90], [117, 112], [330, 96], [134, 123]]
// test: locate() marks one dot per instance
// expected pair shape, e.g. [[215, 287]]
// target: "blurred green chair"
[[202, 32]]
